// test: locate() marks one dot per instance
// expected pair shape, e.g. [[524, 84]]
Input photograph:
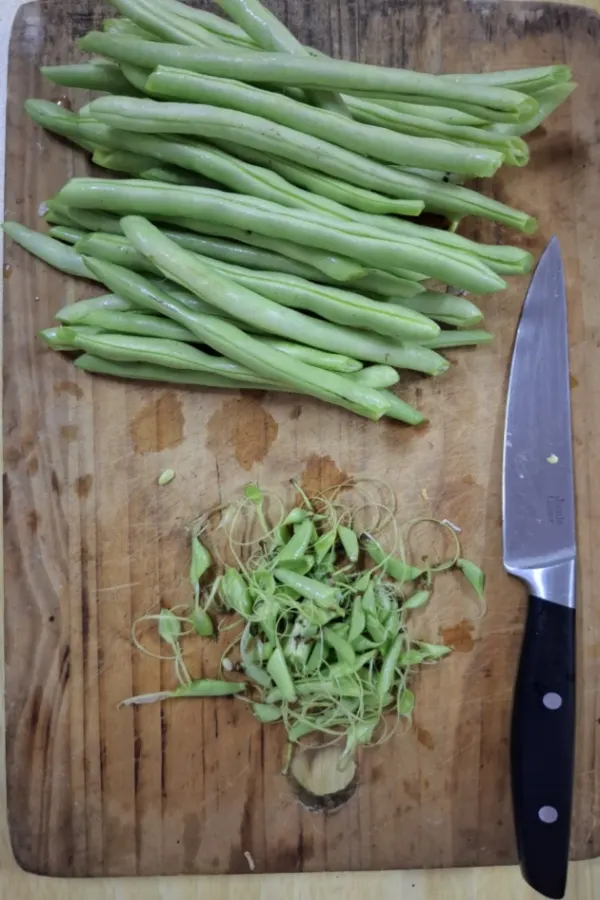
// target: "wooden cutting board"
[[91, 541]]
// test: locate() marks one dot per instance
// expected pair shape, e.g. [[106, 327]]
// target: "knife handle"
[[543, 744]]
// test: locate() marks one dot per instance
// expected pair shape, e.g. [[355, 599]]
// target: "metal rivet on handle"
[[548, 815], [552, 700]]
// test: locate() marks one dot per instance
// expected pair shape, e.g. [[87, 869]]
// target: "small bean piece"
[[209, 687], [388, 669], [279, 672]]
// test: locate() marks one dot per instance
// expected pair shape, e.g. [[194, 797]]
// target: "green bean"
[[321, 359], [51, 251], [139, 324], [502, 259], [399, 282], [62, 339], [59, 120], [351, 167], [440, 113], [75, 313], [110, 248], [340, 191], [270, 34], [95, 75], [529, 81], [378, 376], [173, 354], [494, 104], [144, 325], [334, 304], [460, 338], [548, 100], [338, 339], [222, 28], [291, 145], [222, 250], [333, 265], [66, 234], [143, 167], [226, 168], [152, 372], [309, 229], [59, 214], [151, 17], [369, 140], [122, 161], [340, 307], [223, 336], [387, 284], [447, 308], [126, 26], [514, 150]]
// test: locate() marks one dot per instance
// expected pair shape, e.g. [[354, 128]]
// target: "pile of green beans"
[[267, 232], [315, 612]]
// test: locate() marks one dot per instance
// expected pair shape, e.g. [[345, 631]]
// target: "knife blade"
[[540, 548]]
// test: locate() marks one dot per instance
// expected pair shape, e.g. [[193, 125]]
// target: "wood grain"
[[91, 542]]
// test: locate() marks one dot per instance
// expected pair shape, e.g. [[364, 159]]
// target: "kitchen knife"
[[540, 549]]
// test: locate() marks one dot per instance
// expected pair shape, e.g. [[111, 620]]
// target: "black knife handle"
[[542, 745]]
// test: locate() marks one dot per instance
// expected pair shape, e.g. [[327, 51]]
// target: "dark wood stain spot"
[[468, 479], [158, 425], [459, 636], [69, 432], [377, 773], [245, 426], [424, 737], [6, 493], [12, 456], [321, 474], [68, 387], [32, 465], [296, 412], [137, 755], [54, 483], [573, 382], [36, 705], [411, 790], [33, 520], [191, 840], [83, 485]]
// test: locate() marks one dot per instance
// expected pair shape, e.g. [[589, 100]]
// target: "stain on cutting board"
[[244, 426]]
